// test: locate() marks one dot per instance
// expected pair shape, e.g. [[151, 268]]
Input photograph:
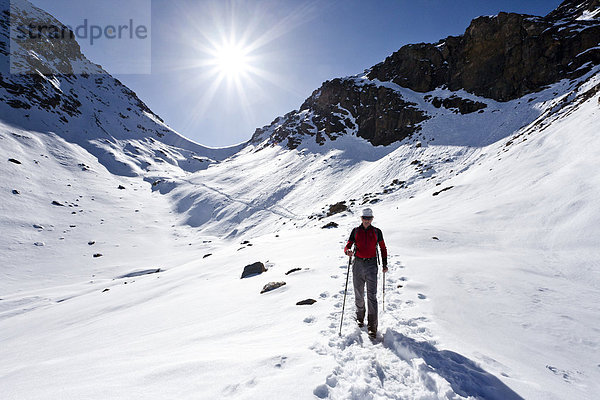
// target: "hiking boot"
[[372, 333], [360, 323]]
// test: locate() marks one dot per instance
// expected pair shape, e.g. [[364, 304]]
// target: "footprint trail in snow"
[[403, 362]]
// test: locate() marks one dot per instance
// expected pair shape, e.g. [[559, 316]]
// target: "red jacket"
[[366, 241]]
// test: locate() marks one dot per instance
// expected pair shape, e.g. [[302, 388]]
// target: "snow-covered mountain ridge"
[[502, 57], [47, 85]]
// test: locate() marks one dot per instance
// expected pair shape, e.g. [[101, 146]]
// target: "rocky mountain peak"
[[39, 43], [47, 84], [501, 57], [571, 10]]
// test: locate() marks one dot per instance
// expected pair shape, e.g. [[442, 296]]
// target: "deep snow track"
[[403, 362]]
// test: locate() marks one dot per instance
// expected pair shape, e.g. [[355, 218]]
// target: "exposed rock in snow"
[[253, 269], [271, 286], [293, 270], [306, 302]]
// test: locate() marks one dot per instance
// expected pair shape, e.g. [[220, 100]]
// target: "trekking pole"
[[345, 291], [383, 298], [378, 264], [383, 284]]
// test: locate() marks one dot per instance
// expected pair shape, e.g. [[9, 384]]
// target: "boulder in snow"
[[293, 270], [271, 286], [253, 269], [443, 190], [337, 208], [306, 302], [12, 160]]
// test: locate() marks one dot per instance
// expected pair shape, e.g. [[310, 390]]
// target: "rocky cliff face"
[[502, 57], [344, 106], [37, 70]]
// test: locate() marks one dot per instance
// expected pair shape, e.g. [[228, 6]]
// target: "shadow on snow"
[[464, 375]]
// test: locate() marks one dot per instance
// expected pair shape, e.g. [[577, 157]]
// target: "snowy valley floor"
[[450, 329]]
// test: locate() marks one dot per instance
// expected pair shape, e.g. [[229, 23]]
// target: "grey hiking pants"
[[365, 271]]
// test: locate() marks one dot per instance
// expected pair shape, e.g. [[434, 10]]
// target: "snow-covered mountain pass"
[[492, 289], [491, 293], [266, 186], [114, 286]]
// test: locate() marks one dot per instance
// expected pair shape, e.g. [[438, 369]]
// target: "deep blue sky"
[[300, 45]]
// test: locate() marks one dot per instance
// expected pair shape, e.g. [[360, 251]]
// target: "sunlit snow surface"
[[123, 244], [492, 290]]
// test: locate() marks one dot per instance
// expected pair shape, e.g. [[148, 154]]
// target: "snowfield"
[[492, 290], [123, 245]]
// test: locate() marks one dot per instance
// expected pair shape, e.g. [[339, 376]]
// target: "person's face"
[[366, 221]]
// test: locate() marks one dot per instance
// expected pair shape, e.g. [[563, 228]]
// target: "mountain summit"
[[501, 57], [47, 84]]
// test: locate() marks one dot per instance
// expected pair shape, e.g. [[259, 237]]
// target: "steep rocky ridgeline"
[[501, 57], [341, 106], [47, 84], [47, 72]]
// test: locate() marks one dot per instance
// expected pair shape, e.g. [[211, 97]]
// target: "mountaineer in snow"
[[365, 238]]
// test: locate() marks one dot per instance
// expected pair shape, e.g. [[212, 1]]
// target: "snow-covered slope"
[[490, 217], [47, 85], [293, 185], [492, 291]]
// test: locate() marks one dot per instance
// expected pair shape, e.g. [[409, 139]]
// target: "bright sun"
[[231, 60]]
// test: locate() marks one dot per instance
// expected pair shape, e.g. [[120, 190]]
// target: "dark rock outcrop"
[[271, 286], [443, 190], [140, 273], [458, 104], [293, 270], [306, 302], [253, 269], [341, 106], [501, 57], [330, 225], [337, 208]]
